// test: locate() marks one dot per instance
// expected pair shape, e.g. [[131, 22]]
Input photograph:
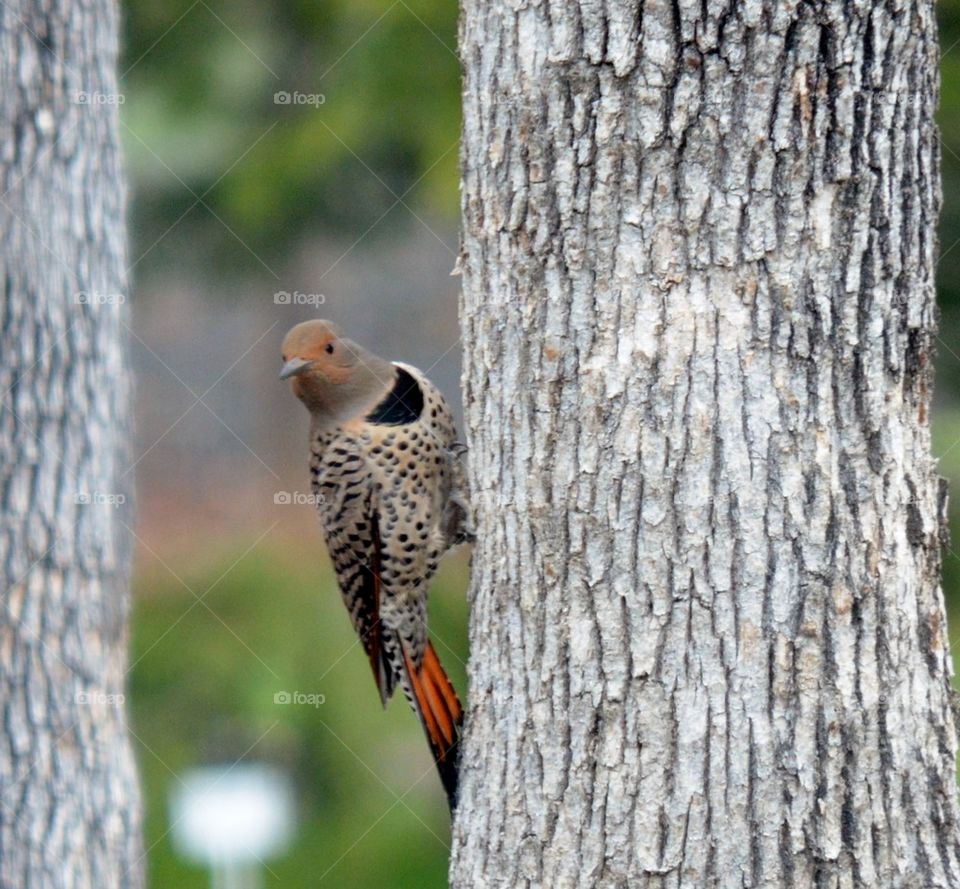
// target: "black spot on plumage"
[[402, 405]]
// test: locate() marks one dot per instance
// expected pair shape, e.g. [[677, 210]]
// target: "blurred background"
[[286, 161], [290, 161]]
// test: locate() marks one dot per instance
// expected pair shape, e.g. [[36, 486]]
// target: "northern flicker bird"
[[385, 470]]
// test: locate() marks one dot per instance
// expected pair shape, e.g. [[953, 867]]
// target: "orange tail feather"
[[440, 713]]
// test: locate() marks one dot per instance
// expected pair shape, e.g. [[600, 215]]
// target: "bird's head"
[[333, 376]]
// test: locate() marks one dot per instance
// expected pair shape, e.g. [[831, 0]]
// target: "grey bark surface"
[[708, 641], [69, 801]]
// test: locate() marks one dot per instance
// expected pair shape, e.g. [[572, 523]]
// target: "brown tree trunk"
[[708, 643], [69, 802]]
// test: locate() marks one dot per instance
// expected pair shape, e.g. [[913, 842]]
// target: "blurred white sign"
[[231, 817]]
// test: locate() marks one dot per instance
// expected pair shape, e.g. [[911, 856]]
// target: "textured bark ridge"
[[68, 789], [708, 640]]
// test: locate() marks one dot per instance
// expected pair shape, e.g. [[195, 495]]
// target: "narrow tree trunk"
[[68, 789], [708, 639]]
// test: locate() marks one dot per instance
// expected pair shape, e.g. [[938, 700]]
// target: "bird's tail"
[[436, 703]]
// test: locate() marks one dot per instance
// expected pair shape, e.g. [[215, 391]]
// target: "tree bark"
[[708, 639], [69, 807]]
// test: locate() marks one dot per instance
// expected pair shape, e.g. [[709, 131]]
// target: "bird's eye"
[[283, 358], [329, 348]]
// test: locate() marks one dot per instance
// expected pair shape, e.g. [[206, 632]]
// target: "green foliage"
[[201, 120], [202, 691], [948, 271]]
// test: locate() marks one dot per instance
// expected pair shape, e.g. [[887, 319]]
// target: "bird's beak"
[[295, 366]]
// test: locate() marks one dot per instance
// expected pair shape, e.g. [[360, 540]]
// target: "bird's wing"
[[349, 515]]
